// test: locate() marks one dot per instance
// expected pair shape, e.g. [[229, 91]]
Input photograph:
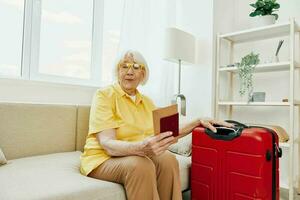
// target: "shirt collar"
[[120, 91]]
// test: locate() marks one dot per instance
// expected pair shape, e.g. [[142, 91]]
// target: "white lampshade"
[[179, 45]]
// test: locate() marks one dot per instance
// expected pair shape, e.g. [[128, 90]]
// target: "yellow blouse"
[[112, 108]]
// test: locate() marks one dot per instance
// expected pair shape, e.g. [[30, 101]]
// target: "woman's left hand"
[[209, 123]]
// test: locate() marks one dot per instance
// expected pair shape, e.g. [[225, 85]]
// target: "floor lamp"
[[180, 47]]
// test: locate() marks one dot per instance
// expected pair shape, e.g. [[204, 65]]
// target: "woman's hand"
[[209, 123], [157, 144]]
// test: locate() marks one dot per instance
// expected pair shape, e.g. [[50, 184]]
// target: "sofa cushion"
[[83, 113], [184, 168], [2, 158], [36, 129], [53, 176], [183, 146], [56, 176]]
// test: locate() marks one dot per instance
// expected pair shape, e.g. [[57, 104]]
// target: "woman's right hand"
[[157, 144]]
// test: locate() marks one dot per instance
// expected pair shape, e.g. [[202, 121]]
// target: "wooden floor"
[[283, 195]]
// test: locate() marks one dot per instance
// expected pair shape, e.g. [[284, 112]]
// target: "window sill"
[[7, 79]]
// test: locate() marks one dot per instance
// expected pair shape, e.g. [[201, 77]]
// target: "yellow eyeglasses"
[[134, 66]]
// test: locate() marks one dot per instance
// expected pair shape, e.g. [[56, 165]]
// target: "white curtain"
[[143, 28]]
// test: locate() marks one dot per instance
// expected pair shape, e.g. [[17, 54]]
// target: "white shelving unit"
[[262, 33], [270, 67]]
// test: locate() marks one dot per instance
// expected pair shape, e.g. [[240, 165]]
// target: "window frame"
[[31, 47], [19, 76]]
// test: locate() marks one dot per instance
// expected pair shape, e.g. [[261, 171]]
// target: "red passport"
[[166, 119]]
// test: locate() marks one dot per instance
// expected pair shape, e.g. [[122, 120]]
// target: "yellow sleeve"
[[150, 103], [102, 115], [153, 106]]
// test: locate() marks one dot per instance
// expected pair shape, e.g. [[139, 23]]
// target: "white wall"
[[40, 92], [288, 8], [196, 17], [233, 16]]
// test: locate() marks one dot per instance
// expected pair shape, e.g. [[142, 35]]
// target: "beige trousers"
[[143, 178]]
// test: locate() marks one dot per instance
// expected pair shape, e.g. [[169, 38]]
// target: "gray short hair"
[[138, 58]]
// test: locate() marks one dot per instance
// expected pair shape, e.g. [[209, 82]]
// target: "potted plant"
[[245, 71], [265, 10]]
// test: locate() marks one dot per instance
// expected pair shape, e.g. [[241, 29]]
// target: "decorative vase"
[[266, 20]]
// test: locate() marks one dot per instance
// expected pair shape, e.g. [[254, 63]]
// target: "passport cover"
[[166, 119], [170, 123]]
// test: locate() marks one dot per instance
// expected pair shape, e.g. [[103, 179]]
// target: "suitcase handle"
[[224, 133], [236, 123]]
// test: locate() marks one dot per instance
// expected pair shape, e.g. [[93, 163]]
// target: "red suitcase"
[[239, 164]]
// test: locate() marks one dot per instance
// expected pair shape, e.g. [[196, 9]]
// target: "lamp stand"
[[181, 97], [179, 76]]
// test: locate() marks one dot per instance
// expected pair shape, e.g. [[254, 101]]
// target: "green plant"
[[245, 70], [265, 7]]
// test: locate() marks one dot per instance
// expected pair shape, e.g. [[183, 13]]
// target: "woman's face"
[[130, 74]]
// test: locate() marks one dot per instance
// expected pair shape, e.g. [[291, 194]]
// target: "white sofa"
[[42, 144]]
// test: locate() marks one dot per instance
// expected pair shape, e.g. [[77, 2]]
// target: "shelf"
[[234, 103], [269, 67], [284, 186], [243, 103], [289, 29], [261, 33]]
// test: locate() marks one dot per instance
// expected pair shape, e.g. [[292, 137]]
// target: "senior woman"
[[120, 146]]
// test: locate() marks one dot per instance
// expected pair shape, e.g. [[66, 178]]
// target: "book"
[[166, 119]]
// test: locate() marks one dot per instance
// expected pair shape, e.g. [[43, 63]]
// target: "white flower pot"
[[266, 20]]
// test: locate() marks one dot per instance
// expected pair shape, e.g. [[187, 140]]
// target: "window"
[[52, 40], [73, 41], [112, 23], [65, 38], [11, 37], [62, 41]]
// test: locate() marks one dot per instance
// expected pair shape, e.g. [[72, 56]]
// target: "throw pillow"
[[2, 158], [183, 146]]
